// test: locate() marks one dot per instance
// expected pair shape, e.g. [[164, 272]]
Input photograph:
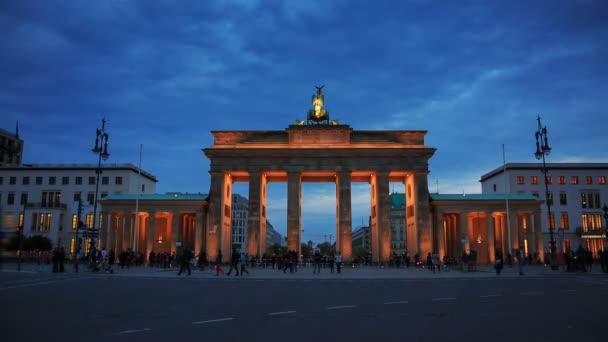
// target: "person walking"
[[244, 264], [218, 264], [185, 261], [520, 262], [317, 267], [234, 261], [338, 262], [498, 263], [429, 262]]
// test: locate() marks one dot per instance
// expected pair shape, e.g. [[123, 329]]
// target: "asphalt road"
[[92, 307]]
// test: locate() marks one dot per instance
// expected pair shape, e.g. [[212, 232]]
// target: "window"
[[89, 221], [534, 179], [494, 187], [591, 222], [600, 179], [52, 180], [520, 180], [588, 180], [90, 197], [561, 180], [23, 198], [574, 180], [590, 200], [563, 198], [551, 221], [49, 218], [105, 180], [41, 222], [118, 180], [65, 180], [77, 196], [43, 202], [25, 180], [91, 180], [143, 188], [10, 199], [564, 221], [78, 181], [38, 180], [58, 199], [550, 198], [12, 180], [74, 221], [548, 179]]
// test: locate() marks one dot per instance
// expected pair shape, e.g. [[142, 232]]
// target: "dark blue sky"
[[165, 73]]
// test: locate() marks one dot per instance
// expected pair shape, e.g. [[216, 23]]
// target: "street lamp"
[[542, 149], [101, 140]]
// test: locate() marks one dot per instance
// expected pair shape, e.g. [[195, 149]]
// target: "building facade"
[[11, 148], [240, 213], [43, 198], [577, 192], [398, 223]]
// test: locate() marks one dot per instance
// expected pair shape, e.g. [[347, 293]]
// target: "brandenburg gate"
[[319, 150]]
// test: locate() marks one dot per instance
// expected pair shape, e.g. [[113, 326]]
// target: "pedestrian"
[[498, 262], [218, 264], [331, 260], [429, 262], [76, 263], [244, 264], [234, 261], [186, 258], [317, 267], [338, 262], [520, 262]]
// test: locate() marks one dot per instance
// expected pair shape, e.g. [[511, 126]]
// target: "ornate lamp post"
[[542, 149], [101, 140]]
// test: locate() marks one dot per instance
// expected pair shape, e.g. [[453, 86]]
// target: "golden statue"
[[318, 114]]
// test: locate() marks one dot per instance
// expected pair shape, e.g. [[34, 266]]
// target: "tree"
[[360, 252], [325, 248]]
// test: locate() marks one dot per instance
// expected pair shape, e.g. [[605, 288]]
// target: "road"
[[94, 307]]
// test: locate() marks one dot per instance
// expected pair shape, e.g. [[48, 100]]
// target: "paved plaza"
[[142, 304]]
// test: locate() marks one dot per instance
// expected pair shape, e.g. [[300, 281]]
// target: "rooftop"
[[550, 166], [126, 166], [483, 197], [158, 197]]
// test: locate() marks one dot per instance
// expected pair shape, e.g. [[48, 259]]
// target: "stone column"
[[126, 228], [216, 213], [254, 213], [463, 233], [383, 214], [514, 233], [440, 234], [490, 237], [500, 221], [344, 229], [423, 214], [540, 245], [173, 220], [150, 234], [531, 234], [110, 243], [294, 210], [198, 233]]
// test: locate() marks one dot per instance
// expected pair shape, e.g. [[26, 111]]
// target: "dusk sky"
[[474, 74]]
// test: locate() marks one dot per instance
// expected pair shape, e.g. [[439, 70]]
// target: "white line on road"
[[214, 320], [490, 295], [340, 307], [127, 332], [397, 302], [281, 313], [567, 291], [533, 293], [446, 298]]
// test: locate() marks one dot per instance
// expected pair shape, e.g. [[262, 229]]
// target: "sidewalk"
[[306, 272]]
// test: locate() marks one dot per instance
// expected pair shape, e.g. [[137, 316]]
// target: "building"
[[361, 237], [52, 192], [11, 148], [240, 216], [398, 220], [577, 192]]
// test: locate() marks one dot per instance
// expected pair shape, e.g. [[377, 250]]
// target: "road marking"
[[490, 295], [127, 332], [532, 293], [567, 291], [397, 302], [37, 283], [446, 298], [340, 307], [281, 313], [214, 320]]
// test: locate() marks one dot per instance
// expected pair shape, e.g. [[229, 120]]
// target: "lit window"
[[548, 180], [534, 180], [551, 221], [588, 180], [561, 179], [574, 180], [520, 180], [74, 221], [49, 218], [565, 223], [601, 179], [89, 222]]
